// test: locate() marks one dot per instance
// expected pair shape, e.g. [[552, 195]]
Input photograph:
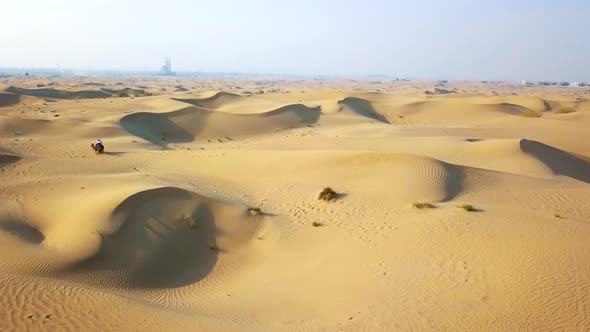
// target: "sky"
[[420, 39]]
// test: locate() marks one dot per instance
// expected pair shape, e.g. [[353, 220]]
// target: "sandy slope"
[[103, 242]]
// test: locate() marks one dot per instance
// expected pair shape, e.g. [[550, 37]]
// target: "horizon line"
[[48, 71]]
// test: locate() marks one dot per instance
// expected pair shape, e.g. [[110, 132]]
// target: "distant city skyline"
[[457, 40]]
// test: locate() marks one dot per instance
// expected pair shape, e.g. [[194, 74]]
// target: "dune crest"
[[192, 123], [213, 102]]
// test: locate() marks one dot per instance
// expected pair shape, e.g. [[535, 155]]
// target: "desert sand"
[[155, 234]]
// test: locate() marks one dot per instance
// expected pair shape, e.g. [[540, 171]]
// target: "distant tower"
[[167, 68]]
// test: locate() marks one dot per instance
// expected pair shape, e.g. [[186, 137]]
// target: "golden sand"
[[156, 234]]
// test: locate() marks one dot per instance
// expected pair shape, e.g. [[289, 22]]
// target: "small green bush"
[[191, 222]]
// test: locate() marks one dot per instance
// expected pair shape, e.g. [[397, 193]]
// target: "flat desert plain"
[[463, 207]]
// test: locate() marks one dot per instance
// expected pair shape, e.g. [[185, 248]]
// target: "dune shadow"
[[159, 129], [185, 125], [114, 154], [473, 209], [58, 94], [509, 108], [268, 214], [154, 247], [186, 258], [339, 196], [7, 99], [364, 108], [547, 105], [560, 162], [22, 230], [455, 182], [6, 159]]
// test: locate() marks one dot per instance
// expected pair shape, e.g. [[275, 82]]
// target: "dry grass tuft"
[[328, 194], [467, 207], [191, 222], [565, 110], [420, 205], [254, 211], [530, 114]]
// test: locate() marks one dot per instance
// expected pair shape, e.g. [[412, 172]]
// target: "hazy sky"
[[454, 39]]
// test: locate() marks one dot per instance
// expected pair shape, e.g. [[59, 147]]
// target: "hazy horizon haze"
[[458, 39]]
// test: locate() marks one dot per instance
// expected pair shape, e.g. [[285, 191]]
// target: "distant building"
[[524, 82], [575, 84], [167, 68]]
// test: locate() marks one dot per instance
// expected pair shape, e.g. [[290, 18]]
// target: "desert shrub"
[[212, 246], [254, 211], [530, 114], [328, 194], [564, 110], [316, 224], [422, 205], [467, 207], [191, 222], [122, 94]]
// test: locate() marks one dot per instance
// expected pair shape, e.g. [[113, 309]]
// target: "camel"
[[98, 148]]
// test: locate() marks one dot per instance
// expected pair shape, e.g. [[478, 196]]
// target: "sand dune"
[[148, 233], [192, 123], [213, 102], [160, 225], [430, 179], [144, 232]]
